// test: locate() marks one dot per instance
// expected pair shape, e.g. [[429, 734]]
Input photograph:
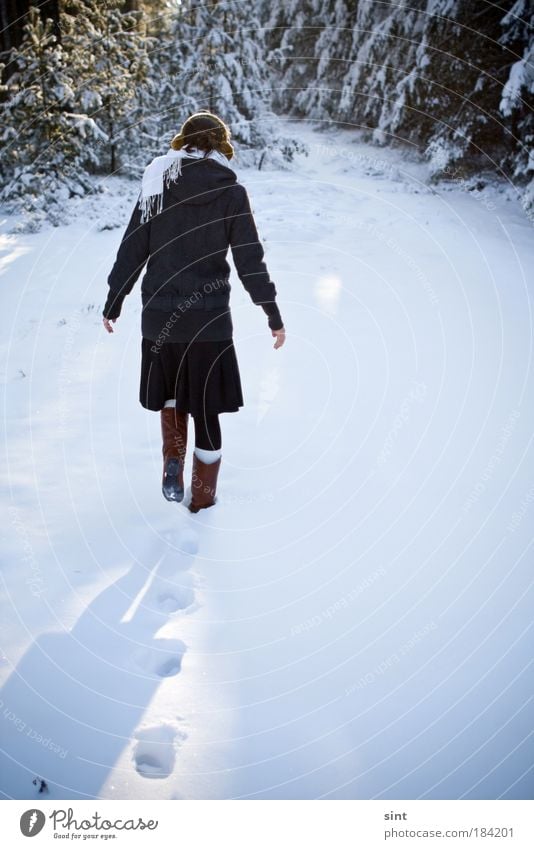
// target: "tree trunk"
[[50, 9], [12, 14]]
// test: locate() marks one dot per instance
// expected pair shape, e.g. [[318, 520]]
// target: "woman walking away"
[[190, 210]]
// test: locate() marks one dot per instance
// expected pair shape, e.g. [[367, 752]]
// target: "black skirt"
[[202, 377]]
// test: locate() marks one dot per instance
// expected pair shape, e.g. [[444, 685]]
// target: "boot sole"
[[171, 488]]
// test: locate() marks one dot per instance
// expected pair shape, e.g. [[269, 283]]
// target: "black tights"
[[207, 432]]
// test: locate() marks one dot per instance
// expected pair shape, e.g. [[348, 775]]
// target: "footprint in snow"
[[185, 542], [170, 667], [189, 542], [178, 599], [155, 751], [178, 553], [161, 662]]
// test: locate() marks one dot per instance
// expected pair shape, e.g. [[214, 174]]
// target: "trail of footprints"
[[172, 591]]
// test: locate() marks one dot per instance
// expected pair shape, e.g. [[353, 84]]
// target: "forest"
[[100, 86]]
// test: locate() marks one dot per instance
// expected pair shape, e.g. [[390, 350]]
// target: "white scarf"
[[167, 168]]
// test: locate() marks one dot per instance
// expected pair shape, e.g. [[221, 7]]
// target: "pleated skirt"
[[202, 377]]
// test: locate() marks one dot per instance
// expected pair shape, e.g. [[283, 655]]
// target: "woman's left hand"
[[107, 324]]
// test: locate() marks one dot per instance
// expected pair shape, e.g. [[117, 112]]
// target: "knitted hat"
[[204, 131]]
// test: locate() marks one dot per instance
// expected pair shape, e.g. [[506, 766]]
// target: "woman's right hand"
[[280, 336]]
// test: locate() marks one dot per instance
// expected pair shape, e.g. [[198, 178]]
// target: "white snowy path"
[[353, 618]]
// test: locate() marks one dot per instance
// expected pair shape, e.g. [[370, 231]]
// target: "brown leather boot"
[[174, 436], [203, 484]]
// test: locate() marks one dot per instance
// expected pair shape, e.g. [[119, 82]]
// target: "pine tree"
[[384, 44], [307, 43], [160, 100], [46, 143], [222, 46], [299, 23], [145, 123], [453, 88], [109, 57], [332, 58], [517, 98], [455, 77]]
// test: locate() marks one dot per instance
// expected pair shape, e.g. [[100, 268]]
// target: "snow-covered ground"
[[352, 619]]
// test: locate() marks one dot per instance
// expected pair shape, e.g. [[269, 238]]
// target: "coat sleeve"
[[248, 256], [131, 257]]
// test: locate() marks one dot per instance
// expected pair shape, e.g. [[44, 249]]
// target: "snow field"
[[352, 620]]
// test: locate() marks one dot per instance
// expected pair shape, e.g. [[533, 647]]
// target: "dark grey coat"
[[186, 286]]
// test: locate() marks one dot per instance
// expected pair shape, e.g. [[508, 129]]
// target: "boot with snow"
[[203, 484], [174, 436]]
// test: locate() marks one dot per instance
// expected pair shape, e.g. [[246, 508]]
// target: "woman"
[[190, 210]]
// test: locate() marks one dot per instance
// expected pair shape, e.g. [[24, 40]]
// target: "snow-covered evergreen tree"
[[385, 38], [310, 44], [109, 57], [517, 99], [46, 143], [332, 58], [452, 88], [299, 24], [144, 123], [454, 77], [161, 100], [223, 52]]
